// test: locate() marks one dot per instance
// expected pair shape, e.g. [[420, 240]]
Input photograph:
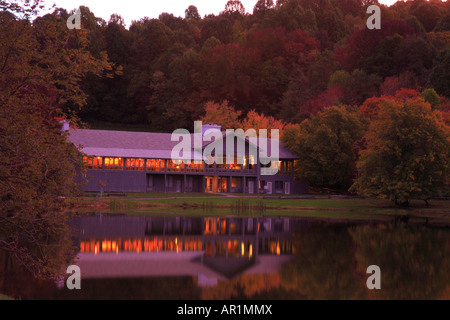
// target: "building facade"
[[123, 161]]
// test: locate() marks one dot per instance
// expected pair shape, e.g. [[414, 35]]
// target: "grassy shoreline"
[[216, 204]]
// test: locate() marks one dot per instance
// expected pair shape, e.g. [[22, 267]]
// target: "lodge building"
[[124, 161]]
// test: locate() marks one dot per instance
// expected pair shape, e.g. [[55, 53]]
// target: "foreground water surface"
[[179, 257]]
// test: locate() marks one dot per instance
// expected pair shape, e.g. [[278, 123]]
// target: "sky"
[[137, 9]]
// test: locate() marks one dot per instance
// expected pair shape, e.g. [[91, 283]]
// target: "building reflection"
[[229, 237], [226, 245]]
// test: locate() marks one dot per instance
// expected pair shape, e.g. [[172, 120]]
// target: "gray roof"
[[125, 144], [130, 144]]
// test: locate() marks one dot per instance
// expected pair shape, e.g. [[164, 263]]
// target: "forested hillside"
[[287, 59]]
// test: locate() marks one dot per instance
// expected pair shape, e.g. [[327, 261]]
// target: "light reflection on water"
[[170, 257], [215, 248]]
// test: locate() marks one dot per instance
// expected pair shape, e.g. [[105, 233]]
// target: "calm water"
[[169, 257]]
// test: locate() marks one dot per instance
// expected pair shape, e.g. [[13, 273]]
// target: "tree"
[[222, 114], [257, 121], [408, 152], [439, 76], [324, 145], [234, 6], [395, 83], [427, 13], [191, 13], [41, 67], [365, 43], [262, 6], [218, 27], [430, 96]]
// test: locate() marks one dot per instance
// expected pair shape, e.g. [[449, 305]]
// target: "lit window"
[[175, 165], [113, 163], [195, 166], [135, 164], [93, 162], [155, 165]]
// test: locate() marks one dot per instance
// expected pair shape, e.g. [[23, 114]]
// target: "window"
[[155, 165], [235, 165], [113, 163], [93, 162], [288, 167], [176, 165], [221, 162], [135, 164], [195, 166], [249, 162]]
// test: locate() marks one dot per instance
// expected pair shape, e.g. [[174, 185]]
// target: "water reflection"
[[170, 257], [207, 248]]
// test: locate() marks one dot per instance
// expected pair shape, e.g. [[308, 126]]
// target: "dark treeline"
[[288, 59]]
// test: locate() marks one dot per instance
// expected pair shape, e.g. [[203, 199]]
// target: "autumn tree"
[[254, 120], [222, 114], [324, 145], [41, 67], [226, 116], [408, 152]]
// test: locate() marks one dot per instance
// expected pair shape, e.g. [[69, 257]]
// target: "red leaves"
[[364, 43]]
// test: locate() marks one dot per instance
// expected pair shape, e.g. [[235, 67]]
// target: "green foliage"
[[430, 96], [324, 145], [439, 77], [191, 13], [408, 152]]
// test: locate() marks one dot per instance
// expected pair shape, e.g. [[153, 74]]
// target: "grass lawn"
[[221, 204], [5, 297], [137, 195]]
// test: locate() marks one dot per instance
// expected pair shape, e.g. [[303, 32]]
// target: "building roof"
[[125, 144], [130, 144]]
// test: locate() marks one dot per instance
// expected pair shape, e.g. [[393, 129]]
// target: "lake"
[[233, 257]]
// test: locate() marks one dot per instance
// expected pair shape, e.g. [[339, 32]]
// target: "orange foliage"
[[225, 115], [371, 106]]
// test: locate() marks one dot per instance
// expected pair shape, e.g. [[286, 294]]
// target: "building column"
[[258, 171], [217, 179]]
